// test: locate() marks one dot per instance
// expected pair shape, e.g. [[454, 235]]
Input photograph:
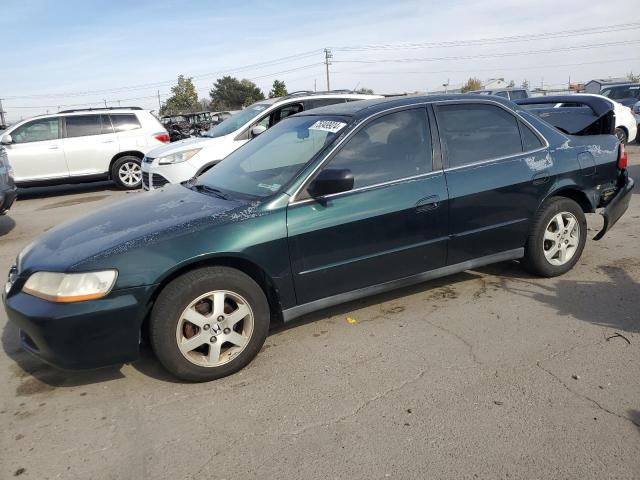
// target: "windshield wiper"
[[205, 188]]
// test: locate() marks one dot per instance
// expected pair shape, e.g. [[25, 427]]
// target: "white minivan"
[[182, 160], [83, 145]]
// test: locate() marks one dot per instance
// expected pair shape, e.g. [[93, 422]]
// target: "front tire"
[[126, 172], [557, 238], [209, 323]]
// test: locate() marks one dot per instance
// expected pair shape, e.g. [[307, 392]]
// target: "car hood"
[[137, 222], [182, 145]]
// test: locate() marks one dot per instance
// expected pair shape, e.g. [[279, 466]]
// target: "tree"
[[472, 84], [279, 89], [633, 78], [511, 84], [229, 93], [525, 84], [183, 100], [203, 104], [365, 91]]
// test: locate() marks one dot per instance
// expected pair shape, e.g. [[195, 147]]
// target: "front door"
[[390, 226], [496, 178], [37, 152]]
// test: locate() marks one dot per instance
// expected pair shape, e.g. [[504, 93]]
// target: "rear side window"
[[123, 122], [530, 140], [473, 133], [502, 94], [83, 125], [322, 102], [389, 148], [517, 94]]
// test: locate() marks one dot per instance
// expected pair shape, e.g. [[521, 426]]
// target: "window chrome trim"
[[375, 186], [325, 160], [497, 159]]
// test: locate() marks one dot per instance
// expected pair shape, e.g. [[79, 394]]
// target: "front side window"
[[123, 122], [392, 147], [474, 132], [83, 125], [237, 120], [502, 94], [263, 166], [36, 131]]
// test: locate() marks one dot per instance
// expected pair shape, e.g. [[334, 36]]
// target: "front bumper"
[[90, 334], [7, 197], [616, 206], [156, 176]]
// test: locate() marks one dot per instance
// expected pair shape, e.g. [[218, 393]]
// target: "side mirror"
[[257, 130], [6, 139], [331, 180]]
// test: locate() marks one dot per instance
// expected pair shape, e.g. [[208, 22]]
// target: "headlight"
[[178, 157], [70, 287]]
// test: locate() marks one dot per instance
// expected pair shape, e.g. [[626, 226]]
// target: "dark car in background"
[[8, 190], [327, 206], [627, 94]]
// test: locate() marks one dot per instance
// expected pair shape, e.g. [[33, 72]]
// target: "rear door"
[[89, 144], [495, 174], [129, 132], [37, 152], [390, 226]]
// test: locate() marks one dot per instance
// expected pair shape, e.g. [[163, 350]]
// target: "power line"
[[536, 67], [491, 55], [496, 40], [307, 54], [154, 85]]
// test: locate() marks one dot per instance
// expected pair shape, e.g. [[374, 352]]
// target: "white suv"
[[188, 158], [83, 145]]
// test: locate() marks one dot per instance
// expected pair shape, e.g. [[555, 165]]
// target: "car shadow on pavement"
[[584, 300], [27, 368], [6, 224], [69, 189]]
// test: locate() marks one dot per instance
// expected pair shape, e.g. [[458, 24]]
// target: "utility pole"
[[315, 86], [105, 103], [327, 57], [2, 121], [159, 104]]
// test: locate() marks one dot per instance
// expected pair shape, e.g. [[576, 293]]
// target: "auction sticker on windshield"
[[328, 126]]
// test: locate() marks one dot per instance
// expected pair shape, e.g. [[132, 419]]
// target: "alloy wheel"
[[130, 174], [214, 328], [561, 238]]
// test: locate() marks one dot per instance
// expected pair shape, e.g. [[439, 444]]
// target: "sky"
[[78, 54]]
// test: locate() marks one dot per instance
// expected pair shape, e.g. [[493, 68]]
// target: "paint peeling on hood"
[[140, 221]]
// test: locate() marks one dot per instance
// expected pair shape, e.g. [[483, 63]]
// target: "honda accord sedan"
[[328, 206]]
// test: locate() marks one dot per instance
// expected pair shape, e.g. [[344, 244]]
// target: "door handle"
[[53, 147], [108, 141], [427, 204], [540, 178]]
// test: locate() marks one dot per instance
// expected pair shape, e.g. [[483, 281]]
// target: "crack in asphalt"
[[585, 397]]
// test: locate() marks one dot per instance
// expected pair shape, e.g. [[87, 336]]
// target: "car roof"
[[365, 108]]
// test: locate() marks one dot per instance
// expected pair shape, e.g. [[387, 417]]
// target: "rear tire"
[[126, 172], [622, 135], [209, 323], [557, 238]]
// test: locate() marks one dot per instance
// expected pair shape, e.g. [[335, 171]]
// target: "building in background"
[[596, 85]]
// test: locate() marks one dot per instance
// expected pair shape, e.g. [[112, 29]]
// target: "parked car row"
[[180, 161], [326, 206], [195, 124]]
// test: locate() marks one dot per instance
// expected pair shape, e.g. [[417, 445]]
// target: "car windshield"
[[622, 92], [234, 122], [263, 166]]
